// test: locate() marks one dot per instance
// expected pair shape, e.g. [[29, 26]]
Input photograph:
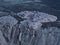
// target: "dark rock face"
[[51, 24]]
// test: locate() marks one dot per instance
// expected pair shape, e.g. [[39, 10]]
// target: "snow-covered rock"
[[27, 30], [30, 24], [33, 23], [6, 24], [8, 19], [37, 16]]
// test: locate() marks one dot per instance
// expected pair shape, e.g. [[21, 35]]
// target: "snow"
[[37, 16], [8, 19]]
